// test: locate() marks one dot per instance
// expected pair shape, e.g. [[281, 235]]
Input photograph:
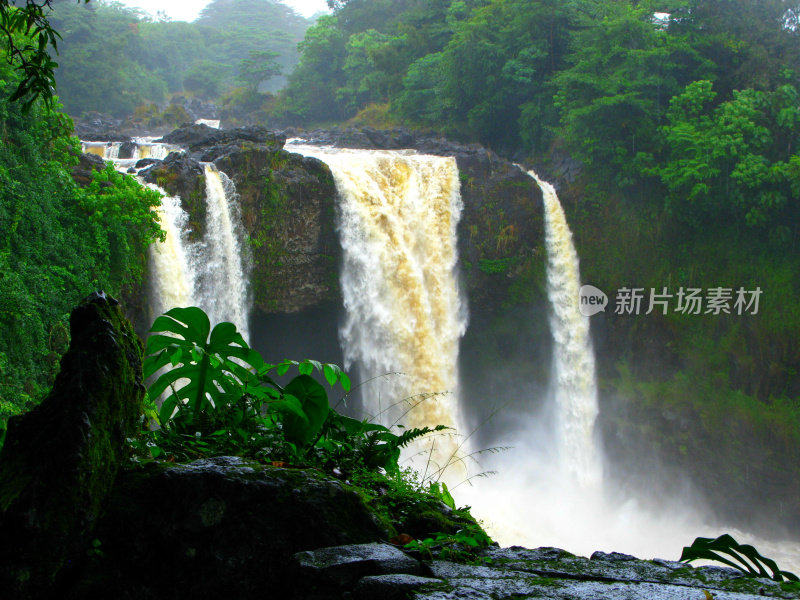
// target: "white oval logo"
[[592, 300]]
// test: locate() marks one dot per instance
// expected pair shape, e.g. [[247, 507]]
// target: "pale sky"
[[187, 10]]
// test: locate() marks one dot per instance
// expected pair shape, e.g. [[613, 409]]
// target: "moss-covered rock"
[[61, 459], [183, 176], [217, 528], [288, 205]]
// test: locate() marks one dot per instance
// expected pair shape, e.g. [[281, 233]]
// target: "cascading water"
[[211, 273], [397, 221], [172, 273], [222, 272], [542, 490], [574, 385]]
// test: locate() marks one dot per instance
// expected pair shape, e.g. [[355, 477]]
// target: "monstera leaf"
[[197, 370], [302, 428], [739, 556]]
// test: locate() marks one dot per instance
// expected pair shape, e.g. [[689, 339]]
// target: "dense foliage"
[[58, 241], [218, 397], [28, 38], [683, 118], [113, 59]]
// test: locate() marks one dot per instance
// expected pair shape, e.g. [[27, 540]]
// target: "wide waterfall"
[[212, 272], [397, 219]]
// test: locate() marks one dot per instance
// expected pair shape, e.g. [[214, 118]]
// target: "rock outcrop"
[[215, 141], [82, 173], [60, 460], [288, 204], [288, 207], [370, 571], [217, 528], [182, 176]]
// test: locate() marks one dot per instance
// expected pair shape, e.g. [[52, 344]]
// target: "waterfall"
[[147, 147], [397, 218], [549, 485], [211, 273], [172, 271], [223, 264], [574, 385]]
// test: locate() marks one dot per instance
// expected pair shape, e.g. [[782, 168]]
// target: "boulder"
[[87, 163], [218, 528], [61, 459], [343, 566], [126, 149], [202, 137]]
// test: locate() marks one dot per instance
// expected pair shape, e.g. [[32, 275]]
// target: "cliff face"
[[288, 206]]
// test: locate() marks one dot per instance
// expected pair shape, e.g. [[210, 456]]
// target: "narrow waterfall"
[[223, 269], [211, 273], [397, 219], [173, 274], [574, 385], [548, 487]]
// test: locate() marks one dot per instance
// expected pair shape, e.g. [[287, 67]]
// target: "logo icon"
[[591, 300]]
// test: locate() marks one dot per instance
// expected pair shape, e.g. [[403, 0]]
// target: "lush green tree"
[[98, 70], [27, 37], [748, 44], [204, 78], [258, 68], [58, 242], [736, 160], [624, 68], [311, 93]]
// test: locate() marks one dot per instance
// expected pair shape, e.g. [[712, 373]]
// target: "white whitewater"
[[573, 386], [172, 268], [397, 219], [222, 289], [211, 273]]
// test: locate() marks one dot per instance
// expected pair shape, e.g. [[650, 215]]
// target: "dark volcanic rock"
[[330, 571], [182, 176], [126, 149], [513, 573], [197, 108], [203, 137], [145, 162], [288, 205], [61, 459], [82, 172], [218, 528], [97, 127]]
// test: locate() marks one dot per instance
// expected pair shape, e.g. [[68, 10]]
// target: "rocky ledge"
[[368, 571], [288, 207]]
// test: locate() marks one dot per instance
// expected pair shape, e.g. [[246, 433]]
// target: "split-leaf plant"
[[219, 396], [743, 557]]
